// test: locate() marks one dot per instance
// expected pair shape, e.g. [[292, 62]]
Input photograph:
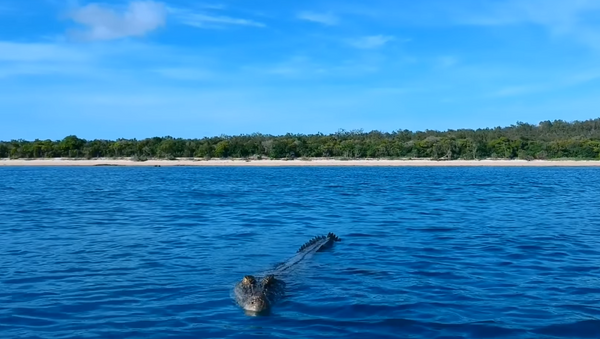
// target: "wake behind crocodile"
[[257, 294]]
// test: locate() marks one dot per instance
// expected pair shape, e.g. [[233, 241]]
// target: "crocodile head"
[[268, 280], [251, 295], [248, 281], [257, 303]]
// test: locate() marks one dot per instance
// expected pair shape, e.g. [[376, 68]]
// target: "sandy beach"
[[304, 162]]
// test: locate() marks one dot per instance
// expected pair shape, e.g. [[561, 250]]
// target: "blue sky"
[[138, 69]]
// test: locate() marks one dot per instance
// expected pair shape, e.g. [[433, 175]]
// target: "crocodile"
[[257, 295]]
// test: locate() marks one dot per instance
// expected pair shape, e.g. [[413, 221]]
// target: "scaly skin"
[[258, 297]]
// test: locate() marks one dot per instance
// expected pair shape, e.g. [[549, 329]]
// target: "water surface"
[[426, 252]]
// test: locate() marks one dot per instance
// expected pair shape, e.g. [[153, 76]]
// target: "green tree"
[[222, 149]]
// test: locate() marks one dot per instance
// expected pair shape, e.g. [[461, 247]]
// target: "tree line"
[[546, 140]]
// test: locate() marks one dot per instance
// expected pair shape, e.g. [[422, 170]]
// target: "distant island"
[[549, 140]]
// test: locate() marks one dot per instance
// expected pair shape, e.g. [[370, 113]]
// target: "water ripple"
[[111, 252]]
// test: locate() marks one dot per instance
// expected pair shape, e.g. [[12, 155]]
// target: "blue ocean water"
[[111, 252]]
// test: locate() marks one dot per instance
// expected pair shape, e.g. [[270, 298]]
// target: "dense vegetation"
[[547, 140]]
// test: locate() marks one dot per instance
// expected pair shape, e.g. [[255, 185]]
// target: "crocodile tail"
[[333, 236], [323, 240]]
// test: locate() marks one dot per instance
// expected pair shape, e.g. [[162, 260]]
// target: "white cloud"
[[544, 12], [584, 76], [105, 23], [204, 20], [512, 91], [447, 61], [22, 52], [574, 18], [41, 69], [90, 61], [390, 90], [295, 67], [556, 82], [186, 74], [370, 42], [301, 67], [322, 18], [211, 6]]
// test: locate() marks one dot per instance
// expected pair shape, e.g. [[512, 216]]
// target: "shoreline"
[[59, 162]]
